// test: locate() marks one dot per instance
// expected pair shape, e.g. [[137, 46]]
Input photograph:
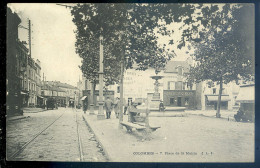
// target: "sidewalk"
[[225, 114], [25, 110], [16, 118], [180, 139], [33, 110]]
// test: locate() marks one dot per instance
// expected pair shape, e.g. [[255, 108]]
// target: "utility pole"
[[121, 92], [101, 115], [29, 38]]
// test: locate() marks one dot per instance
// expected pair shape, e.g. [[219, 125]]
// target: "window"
[[171, 85], [178, 85], [186, 101], [223, 91], [118, 89], [172, 101], [179, 70], [214, 90]]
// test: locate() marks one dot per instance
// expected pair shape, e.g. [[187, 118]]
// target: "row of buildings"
[[174, 89], [24, 84]]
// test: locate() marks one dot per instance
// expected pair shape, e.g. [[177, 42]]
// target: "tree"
[[129, 33], [223, 51]]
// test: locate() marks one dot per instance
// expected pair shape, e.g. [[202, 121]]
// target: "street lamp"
[[101, 115]]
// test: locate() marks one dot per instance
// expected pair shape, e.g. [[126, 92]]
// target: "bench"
[[151, 127], [135, 120], [129, 126]]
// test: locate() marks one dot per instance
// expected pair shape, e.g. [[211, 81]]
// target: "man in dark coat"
[[108, 107]]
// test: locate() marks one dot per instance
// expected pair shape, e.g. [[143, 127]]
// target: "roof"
[[172, 66], [59, 84], [246, 94], [53, 88]]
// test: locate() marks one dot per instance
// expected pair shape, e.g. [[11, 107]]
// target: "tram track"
[[79, 138], [83, 127], [21, 149], [53, 143]]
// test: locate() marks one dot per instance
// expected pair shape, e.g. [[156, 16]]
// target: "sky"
[[53, 40]]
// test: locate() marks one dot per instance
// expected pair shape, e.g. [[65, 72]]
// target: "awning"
[[246, 94], [83, 98], [23, 93], [40, 97], [215, 98]]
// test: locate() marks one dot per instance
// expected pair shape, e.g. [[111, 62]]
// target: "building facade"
[[31, 78], [39, 98], [71, 92], [23, 59], [13, 80], [208, 91], [55, 92], [176, 90]]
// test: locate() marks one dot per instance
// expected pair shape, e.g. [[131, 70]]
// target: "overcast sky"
[[53, 40]]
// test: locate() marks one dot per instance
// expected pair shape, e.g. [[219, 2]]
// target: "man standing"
[[117, 107], [108, 106]]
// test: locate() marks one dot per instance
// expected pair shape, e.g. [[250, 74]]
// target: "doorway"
[[179, 101]]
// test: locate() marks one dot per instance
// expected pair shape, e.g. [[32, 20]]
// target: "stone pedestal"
[[91, 109], [101, 115], [155, 102]]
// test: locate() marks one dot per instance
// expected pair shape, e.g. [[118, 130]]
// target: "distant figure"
[[109, 107], [161, 106], [117, 107], [85, 106], [125, 108]]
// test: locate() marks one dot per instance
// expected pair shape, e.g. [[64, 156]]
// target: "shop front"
[[40, 101], [61, 101], [211, 102], [179, 98], [25, 98]]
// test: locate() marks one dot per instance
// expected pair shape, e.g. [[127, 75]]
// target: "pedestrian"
[[85, 106], [117, 107], [125, 108], [161, 106], [108, 106]]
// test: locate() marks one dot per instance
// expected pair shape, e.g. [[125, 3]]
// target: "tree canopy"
[[129, 35], [224, 47], [225, 50]]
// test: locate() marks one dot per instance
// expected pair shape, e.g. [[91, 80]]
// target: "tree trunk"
[[219, 98], [121, 93]]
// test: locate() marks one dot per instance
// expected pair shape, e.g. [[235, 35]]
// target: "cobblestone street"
[[57, 143]]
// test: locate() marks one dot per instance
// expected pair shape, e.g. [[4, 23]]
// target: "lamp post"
[[92, 91], [101, 115]]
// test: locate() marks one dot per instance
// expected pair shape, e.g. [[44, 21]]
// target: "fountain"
[[156, 95]]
